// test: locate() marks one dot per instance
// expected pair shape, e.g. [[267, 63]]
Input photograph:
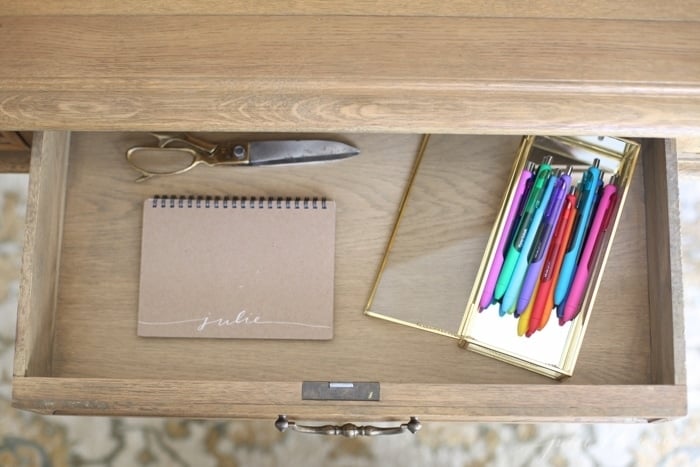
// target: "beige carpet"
[[31, 440]]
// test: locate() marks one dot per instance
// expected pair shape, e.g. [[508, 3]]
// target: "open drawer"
[[77, 351]]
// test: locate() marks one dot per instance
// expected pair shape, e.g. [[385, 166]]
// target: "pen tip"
[[596, 162]]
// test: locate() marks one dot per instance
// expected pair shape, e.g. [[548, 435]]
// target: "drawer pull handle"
[[347, 430]]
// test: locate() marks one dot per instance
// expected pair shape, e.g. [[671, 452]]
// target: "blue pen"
[[544, 237], [524, 225], [516, 281], [589, 188]]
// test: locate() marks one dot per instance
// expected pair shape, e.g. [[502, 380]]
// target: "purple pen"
[[521, 191], [543, 239]]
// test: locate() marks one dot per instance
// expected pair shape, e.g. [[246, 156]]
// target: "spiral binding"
[[238, 202]]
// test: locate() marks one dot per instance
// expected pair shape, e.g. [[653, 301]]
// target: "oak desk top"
[[632, 68]]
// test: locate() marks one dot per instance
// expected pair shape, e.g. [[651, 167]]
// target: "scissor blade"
[[298, 151]]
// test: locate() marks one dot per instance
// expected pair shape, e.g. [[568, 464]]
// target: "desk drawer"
[[77, 351]]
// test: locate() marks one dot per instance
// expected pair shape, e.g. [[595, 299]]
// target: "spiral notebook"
[[257, 268]]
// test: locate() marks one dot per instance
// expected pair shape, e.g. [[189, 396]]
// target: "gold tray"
[[445, 239]]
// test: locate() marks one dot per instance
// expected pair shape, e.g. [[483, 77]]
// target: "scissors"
[[175, 155]]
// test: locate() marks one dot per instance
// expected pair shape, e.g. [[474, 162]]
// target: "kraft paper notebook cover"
[[258, 268]]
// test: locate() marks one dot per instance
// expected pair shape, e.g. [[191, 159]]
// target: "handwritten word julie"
[[243, 318]]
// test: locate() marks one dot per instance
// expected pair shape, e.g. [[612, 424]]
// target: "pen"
[[526, 316], [544, 302], [600, 224], [549, 305], [588, 188], [519, 198], [513, 291], [543, 239], [534, 199]]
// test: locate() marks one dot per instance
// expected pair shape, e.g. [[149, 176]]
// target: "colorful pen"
[[513, 291], [524, 320], [521, 191], [544, 302], [525, 224], [548, 307], [600, 223], [543, 239], [588, 188]]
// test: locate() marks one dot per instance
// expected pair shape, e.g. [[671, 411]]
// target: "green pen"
[[533, 201]]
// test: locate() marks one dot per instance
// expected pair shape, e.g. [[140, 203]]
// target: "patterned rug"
[[27, 439]]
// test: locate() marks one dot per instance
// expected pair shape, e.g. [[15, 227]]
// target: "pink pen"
[[515, 208], [600, 223]]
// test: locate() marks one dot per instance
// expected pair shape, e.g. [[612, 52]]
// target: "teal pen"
[[589, 189], [510, 298], [534, 200]]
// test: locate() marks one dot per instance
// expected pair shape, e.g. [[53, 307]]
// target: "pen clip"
[[609, 211]]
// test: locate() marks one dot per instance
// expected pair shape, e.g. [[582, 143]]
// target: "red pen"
[[550, 269], [549, 304]]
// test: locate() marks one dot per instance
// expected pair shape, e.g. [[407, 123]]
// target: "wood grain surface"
[[12, 141], [95, 314], [14, 162], [688, 147], [674, 10], [14, 152], [99, 281], [41, 256], [664, 255], [460, 402], [314, 73]]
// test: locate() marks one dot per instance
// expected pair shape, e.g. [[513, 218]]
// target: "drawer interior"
[[93, 332], [77, 351]]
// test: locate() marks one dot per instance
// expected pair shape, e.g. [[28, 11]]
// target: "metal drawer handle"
[[348, 430]]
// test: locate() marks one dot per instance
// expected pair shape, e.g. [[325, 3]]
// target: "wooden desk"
[[380, 75]]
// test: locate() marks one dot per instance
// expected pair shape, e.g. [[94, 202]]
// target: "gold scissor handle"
[[162, 158], [194, 151], [141, 152]]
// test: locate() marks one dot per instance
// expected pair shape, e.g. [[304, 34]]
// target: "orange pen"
[[548, 307], [541, 308]]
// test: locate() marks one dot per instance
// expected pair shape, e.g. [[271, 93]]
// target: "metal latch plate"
[[339, 391]]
